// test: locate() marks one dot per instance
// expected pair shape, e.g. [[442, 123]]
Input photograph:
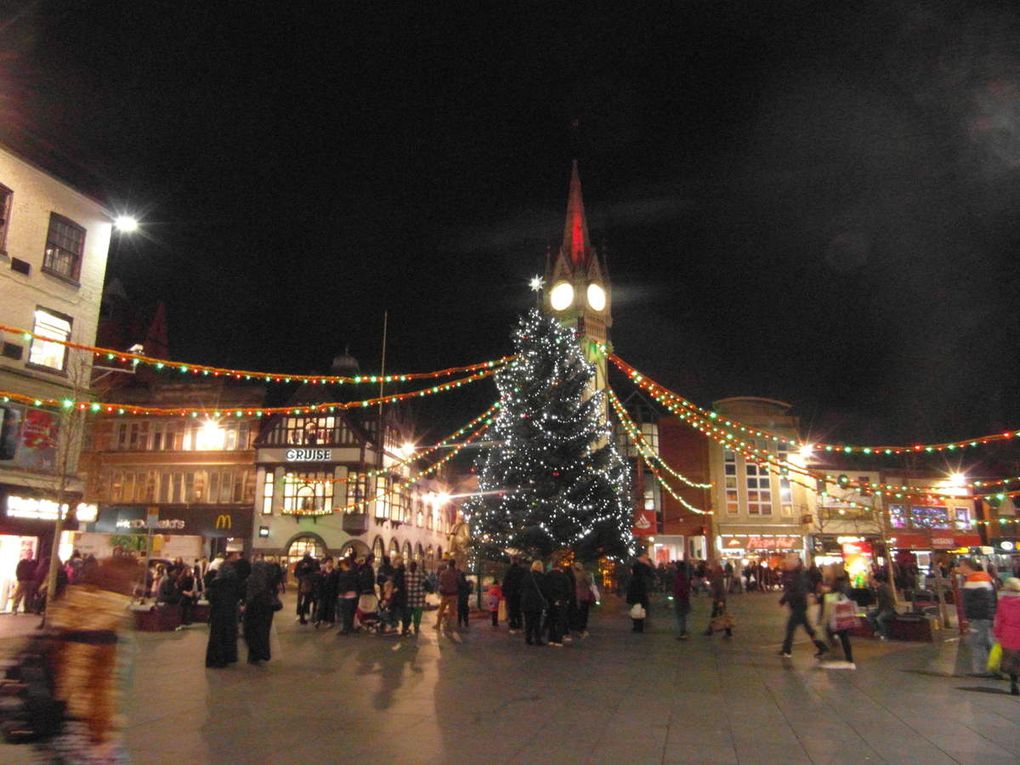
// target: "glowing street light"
[[126, 224], [806, 451], [957, 480], [537, 283]]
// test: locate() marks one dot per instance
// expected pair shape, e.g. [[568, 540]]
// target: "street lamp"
[[126, 224]]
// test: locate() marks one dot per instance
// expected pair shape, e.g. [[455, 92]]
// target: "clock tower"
[[577, 289]]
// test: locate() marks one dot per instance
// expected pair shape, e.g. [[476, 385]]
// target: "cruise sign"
[[309, 455]]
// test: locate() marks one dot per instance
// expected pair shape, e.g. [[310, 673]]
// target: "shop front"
[[918, 547], [857, 553], [26, 530], [758, 548], [177, 531]]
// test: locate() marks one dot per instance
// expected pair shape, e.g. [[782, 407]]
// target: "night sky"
[[816, 202]]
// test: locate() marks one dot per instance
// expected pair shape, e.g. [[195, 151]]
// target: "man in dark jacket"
[[557, 593], [979, 607], [795, 595], [512, 593], [25, 574]]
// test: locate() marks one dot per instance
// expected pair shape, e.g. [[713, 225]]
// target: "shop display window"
[[898, 516], [930, 517]]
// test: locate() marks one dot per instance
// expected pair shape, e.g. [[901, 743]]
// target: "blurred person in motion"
[[223, 593], [259, 600], [1007, 631]]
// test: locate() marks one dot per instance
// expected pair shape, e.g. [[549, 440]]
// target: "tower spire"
[[576, 243]]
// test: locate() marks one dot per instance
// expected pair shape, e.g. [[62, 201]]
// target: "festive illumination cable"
[[638, 439], [417, 455], [645, 453], [246, 374], [97, 407], [881, 450], [356, 506]]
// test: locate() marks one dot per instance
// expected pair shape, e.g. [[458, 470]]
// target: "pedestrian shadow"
[[389, 666], [983, 689]]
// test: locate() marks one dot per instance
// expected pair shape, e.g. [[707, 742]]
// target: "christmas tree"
[[553, 478]]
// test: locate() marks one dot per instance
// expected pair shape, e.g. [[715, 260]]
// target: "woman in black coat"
[[223, 595], [258, 611], [533, 602], [639, 589]]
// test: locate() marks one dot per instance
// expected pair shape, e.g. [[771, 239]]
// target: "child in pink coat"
[[1007, 631]]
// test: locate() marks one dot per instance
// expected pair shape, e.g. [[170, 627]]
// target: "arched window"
[[407, 552], [394, 547], [419, 554], [302, 544], [378, 549]]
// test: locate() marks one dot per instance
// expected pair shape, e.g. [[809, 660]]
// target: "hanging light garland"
[[97, 407], [883, 450], [205, 370], [638, 439], [647, 456], [485, 417]]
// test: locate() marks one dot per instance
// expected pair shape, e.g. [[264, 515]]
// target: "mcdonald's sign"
[[223, 521]]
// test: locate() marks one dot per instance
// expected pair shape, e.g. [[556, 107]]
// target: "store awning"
[[934, 540]]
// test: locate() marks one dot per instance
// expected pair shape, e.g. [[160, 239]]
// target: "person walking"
[[585, 596], [1007, 631], [795, 596], [979, 607], [682, 597], [326, 594], [414, 582], [347, 595], [188, 593], [398, 600], [512, 583], [222, 592], [835, 585], [493, 597], [533, 602], [260, 595], [639, 589], [24, 593], [463, 601], [304, 572], [558, 590], [719, 618], [449, 587]]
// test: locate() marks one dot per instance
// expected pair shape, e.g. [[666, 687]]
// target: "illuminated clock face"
[[596, 297], [562, 296]]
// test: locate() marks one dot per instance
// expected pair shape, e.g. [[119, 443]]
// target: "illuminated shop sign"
[[762, 543], [309, 455], [33, 509]]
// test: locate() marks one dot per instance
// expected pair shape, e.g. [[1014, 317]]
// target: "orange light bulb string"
[[217, 412], [879, 450], [483, 417], [641, 448], [248, 374]]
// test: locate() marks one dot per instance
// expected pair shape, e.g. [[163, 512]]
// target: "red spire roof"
[[576, 244]]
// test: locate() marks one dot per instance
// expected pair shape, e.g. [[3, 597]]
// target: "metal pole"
[[382, 378]]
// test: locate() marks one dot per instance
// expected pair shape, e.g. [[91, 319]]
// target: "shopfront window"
[[898, 516], [307, 493], [961, 517], [930, 517], [302, 545]]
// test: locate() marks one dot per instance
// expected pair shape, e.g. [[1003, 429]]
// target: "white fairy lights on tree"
[[554, 478]]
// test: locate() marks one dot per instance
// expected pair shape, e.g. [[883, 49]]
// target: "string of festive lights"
[[97, 407], [206, 370], [417, 454], [805, 446], [357, 506], [641, 444]]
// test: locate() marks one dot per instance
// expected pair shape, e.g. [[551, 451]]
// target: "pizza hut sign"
[[773, 543]]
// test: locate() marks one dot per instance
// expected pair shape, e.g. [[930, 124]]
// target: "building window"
[[382, 497], [311, 431], [785, 491], [759, 490], [962, 518], [65, 244], [267, 493], [307, 493], [43, 352], [898, 516], [730, 474], [6, 197], [357, 488]]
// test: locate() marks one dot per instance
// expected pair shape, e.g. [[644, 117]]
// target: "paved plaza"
[[616, 697]]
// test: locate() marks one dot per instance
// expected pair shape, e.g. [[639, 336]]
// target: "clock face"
[[596, 297], [562, 296]]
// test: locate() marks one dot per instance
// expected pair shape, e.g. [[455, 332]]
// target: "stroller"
[[367, 614]]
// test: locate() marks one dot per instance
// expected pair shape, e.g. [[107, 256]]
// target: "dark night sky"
[[810, 201]]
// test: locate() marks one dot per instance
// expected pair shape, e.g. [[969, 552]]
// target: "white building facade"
[[54, 242]]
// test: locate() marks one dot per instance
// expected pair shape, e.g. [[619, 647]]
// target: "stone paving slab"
[[615, 697]]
